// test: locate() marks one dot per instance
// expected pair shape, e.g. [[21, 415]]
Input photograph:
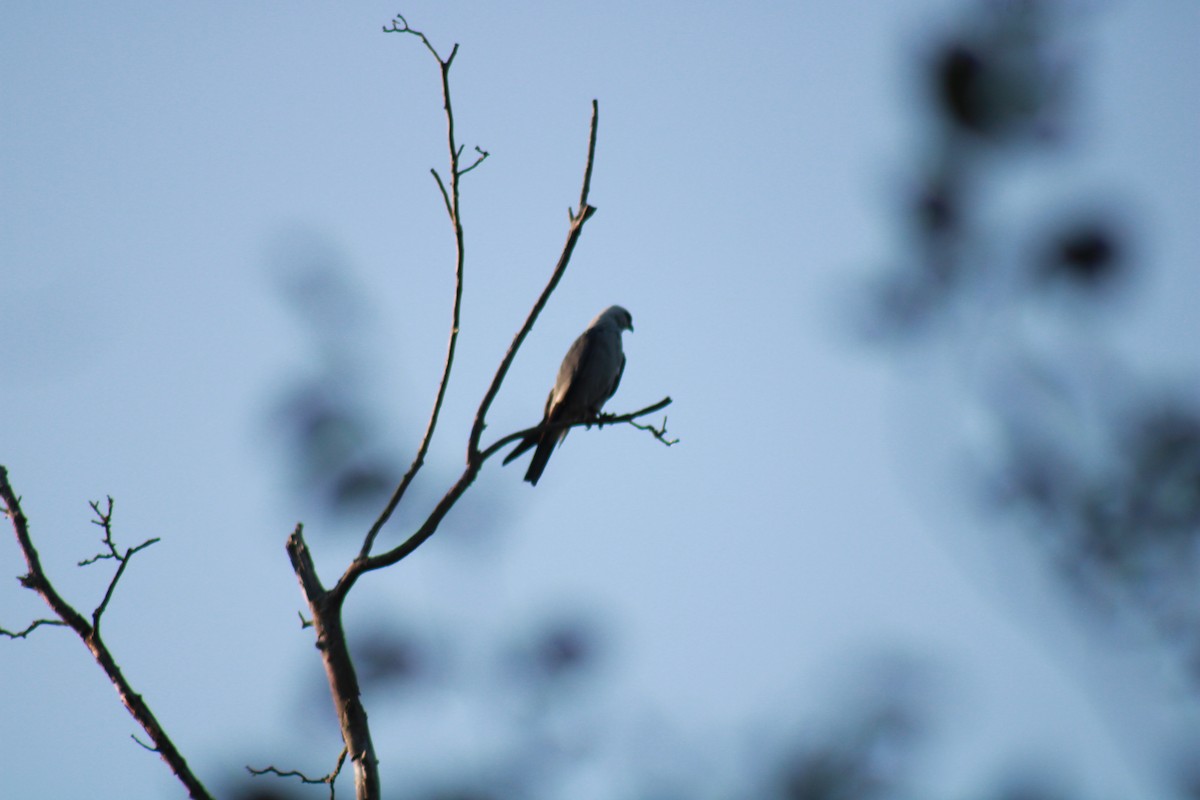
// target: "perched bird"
[[589, 375]]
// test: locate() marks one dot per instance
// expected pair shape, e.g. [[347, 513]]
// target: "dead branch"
[[326, 608], [89, 632], [451, 199], [599, 422], [295, 773], [659, 433], [37, 623], [104, 520]]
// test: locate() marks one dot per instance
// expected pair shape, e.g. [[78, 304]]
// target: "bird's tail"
[[541, 456]]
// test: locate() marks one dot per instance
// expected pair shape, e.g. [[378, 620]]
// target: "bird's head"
[[617, 316]]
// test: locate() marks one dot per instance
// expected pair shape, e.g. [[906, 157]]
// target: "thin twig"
[[482, 155], [295, 773], [445, 194], [659, 433], [37, 623], [599, 422], [104, 520], [149, 747]]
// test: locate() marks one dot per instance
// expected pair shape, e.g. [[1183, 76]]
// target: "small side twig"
[[149, 747], [295, 773], [482, 155], [659, 433], [37, 623]]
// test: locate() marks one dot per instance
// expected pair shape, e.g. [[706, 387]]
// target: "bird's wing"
[[573, 362], [588, 375], [617, 380]]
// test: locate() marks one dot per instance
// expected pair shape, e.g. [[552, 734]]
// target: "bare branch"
[[400, 25], [112, 585], [599, 422], [326, 608], [37, 581], [293, 773], [577, 222], [445, 194], [30, 629], [450, 196], [104, 520], [659, 433], [591, 160], [149, 747], [482, 155]]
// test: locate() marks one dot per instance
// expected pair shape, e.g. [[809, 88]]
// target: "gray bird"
[[589, 375]]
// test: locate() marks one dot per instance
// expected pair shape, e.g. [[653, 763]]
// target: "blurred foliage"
[[1094, 457], [1107, 472], [329, 430], [864, 759]]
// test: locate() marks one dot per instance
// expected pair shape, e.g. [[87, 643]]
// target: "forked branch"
[[475, 457], [104, 520], [89, 632]]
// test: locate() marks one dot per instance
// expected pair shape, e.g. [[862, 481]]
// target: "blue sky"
[[159, 163]]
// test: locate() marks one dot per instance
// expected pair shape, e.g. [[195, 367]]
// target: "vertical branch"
[[451, 200], [326, 608], [37, 580]]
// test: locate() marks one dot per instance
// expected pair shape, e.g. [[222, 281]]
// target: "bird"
[[588, 377]]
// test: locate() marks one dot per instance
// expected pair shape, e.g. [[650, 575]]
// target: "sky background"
[[165, 167]]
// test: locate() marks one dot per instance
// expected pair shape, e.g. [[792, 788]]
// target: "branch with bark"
[[89, 631]]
